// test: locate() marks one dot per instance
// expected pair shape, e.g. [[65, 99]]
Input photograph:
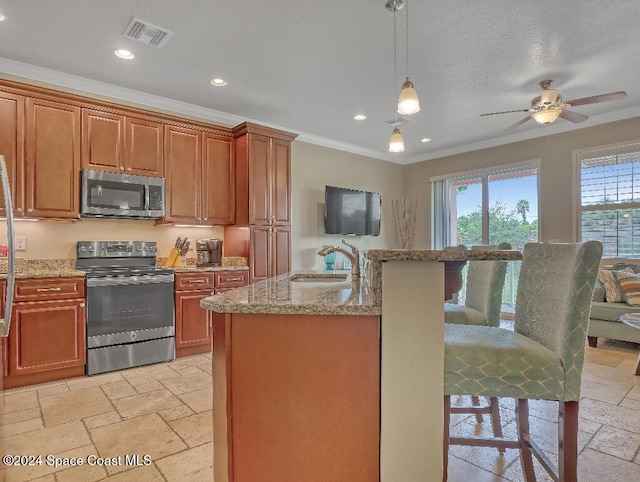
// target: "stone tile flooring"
[[163, 411]]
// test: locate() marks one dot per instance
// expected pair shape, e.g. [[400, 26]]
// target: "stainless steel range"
[[130, 309]]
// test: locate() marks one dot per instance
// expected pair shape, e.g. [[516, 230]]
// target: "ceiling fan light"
[[408, 102], [396, 142], [546, 116]]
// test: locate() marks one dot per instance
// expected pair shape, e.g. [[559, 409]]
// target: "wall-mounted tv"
[[349, 211]]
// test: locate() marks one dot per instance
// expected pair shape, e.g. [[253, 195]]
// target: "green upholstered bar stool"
[[482, 303], [541, 358]]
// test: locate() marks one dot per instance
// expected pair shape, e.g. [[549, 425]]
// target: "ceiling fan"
[[548, 106]]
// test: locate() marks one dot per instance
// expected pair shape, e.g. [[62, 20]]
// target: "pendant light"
[[408, 103], [396, 142]]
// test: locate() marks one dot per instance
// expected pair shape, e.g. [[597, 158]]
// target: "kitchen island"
[[334, 380]]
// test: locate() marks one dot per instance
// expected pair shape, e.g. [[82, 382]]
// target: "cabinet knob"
[[19, 210], [128, 168], [206, 219], [122, 168], [81, 305], [29, 210]]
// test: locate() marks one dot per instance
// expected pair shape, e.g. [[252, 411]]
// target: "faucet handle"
[[354, 250]]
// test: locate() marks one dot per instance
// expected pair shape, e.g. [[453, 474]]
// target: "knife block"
[[173, 258]]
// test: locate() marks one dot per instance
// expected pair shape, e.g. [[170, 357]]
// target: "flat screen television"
[[349, 211]]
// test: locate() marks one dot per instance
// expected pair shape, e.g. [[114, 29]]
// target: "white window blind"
[[610, 199]]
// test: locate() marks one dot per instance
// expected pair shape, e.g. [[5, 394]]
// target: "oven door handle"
[[129, 280]]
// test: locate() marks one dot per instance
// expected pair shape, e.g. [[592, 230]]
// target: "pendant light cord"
[[406, 5], [395, 61]]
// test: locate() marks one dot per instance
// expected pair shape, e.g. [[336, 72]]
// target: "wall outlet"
[[21, 243]]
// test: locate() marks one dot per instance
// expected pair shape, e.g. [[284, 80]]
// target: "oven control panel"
[[115, 249]]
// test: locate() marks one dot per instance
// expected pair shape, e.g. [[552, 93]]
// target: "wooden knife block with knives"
[[177, 255]]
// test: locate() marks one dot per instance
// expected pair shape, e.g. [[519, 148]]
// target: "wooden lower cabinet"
[[47, 340], [193, 331], [229, 279], [270, 251]]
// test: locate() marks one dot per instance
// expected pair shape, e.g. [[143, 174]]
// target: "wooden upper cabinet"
[[259, 180], [118, 143], [218, 181], [12, 143], [144, 154], [263, 176], [102, 141], [281, 182], [52, 159], [182, 149], [200, 177]]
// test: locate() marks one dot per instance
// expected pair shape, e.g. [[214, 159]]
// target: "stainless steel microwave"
[[114, 195]]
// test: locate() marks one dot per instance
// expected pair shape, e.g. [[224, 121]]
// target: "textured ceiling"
[[309, 66]]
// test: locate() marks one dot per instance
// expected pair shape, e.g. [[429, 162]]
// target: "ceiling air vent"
[[147, 33]]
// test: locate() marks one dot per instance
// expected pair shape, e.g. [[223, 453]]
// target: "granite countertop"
[[42, 268], [284, 296], [66, 268], [202, 269], [443, 254]]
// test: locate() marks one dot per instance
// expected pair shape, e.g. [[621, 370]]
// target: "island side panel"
[[221, 362], [305, 397], [412, 371]]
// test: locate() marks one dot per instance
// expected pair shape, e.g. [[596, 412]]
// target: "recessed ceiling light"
[[218, 82], [359, 117], [2, 17], [425, 139], [124, 54]]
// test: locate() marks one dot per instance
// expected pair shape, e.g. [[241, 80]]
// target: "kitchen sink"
[[318, 277]]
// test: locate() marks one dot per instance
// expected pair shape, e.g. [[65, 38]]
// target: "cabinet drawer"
[[231, 279], [193, 281], [48, 289]]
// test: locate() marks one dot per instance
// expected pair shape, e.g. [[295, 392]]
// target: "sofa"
[[604, 320]]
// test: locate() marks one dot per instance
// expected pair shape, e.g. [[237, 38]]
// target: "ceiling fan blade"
[[572, 116], [596, 99], [517, 124], [506, 112]]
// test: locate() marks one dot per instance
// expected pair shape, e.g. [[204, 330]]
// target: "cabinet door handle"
[[240, 278], [196, 281], [41, 290]]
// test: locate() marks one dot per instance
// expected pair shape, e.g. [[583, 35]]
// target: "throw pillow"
[[630, 286], [612, 291], [624, 266]]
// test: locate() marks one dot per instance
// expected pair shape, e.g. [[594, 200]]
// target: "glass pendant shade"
[[546, 116], [408, 103], [396, 143]]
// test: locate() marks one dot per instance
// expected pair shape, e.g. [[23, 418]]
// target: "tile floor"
[[164, 411]]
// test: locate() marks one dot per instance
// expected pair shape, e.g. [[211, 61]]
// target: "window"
[[609, 212], [488, 207]]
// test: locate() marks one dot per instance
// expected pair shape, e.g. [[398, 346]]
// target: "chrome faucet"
[[353, 256]]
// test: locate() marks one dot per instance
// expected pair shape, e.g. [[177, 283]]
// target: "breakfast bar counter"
[[334, 379]]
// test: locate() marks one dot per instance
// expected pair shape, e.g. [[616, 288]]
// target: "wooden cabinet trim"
[[110, 107]]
